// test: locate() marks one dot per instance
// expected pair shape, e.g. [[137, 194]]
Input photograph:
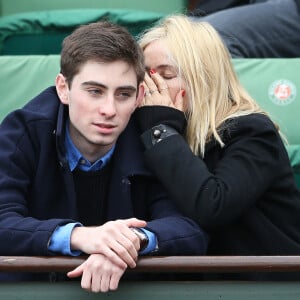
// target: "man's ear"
[[62, 88], [140, 95]]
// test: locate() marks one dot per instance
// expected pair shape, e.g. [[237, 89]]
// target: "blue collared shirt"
[[76, 159], [60, 239]]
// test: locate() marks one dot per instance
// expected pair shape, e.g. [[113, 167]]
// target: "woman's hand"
[[157, 92]]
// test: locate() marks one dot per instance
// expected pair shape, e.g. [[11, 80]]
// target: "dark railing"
[[180, 289], [178, 264]]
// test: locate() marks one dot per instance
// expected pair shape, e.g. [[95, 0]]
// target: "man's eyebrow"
[[98, 84], [94, 83], [127, 87]]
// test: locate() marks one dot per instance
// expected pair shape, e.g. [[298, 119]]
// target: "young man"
[[72, 178]]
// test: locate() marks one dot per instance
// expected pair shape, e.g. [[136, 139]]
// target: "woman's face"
[[157, 57]]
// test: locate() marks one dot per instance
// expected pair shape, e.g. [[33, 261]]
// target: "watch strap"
[[142, 237]]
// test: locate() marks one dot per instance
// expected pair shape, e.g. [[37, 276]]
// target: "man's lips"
[[105, 127]]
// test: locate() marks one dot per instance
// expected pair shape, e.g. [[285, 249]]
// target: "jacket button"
[[157, 133]]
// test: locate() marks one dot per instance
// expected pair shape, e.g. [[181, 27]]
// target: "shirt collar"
[[76, 159]]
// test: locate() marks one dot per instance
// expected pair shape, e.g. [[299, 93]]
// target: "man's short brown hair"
[[101, 42]]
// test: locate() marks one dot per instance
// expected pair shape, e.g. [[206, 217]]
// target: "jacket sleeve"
[[20, 232], [216, 190], [176, 234]]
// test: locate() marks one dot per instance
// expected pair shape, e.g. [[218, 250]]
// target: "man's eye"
[[124, 95], [95, 92]]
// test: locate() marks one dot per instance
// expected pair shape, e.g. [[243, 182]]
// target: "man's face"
[[101, 99]]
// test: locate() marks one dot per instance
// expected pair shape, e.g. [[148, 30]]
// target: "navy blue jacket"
[[37, 191]]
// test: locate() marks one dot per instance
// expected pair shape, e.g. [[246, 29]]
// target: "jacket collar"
[[129, 151]]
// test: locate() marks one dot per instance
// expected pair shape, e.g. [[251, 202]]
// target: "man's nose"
[[108, 106]]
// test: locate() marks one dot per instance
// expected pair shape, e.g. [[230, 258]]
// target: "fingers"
[[133, 222], [156, 91], [161, 85], [122, 241], [155, 83], [114, 239], [100, 274], [179, 102], [123, 251], [76, 272], [150, 84], [119, 244], [108, 282], [122, 262], [147, 96]]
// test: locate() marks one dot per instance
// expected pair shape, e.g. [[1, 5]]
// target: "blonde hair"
[[213, 89]]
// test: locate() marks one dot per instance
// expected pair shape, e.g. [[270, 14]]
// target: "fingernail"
[[152, 71], [183, 93]]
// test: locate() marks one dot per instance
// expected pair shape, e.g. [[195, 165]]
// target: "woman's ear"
[[62, 88], [140, 95]]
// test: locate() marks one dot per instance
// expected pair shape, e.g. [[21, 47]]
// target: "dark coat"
[[37, 191], [211, 6], [243, 194]]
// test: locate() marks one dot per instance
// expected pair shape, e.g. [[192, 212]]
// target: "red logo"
[[282, 92]]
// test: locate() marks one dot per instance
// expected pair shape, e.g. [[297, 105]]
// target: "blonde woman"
[[216, 152]]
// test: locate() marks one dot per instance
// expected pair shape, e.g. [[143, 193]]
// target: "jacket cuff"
[[150, 116], [156, 134]]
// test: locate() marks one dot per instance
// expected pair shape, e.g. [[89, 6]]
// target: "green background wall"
[[8, 7]]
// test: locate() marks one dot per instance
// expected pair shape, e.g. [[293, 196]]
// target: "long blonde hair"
[[214, 91]]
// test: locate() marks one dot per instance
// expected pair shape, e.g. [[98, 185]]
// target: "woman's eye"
[[168, 76]]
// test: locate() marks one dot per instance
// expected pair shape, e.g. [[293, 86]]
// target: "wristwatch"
[[142, 236]]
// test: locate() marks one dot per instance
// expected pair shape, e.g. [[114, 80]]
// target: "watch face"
[[142, 236]]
